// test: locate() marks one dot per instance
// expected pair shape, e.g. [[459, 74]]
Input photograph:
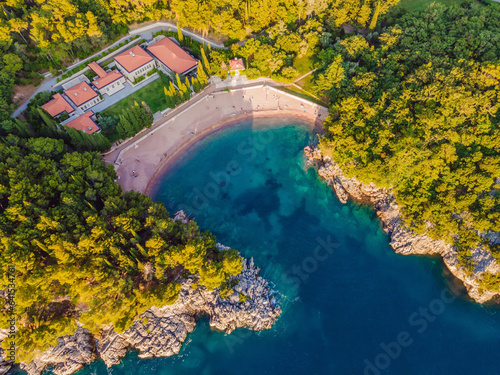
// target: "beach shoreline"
[[291, 116], [141, 161]]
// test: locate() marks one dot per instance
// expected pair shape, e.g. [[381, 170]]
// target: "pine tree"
[[47, 118], [102, 142], [134, 116], [206, 65], [146, 118], [76, 139], [51, 127], [174, 94], [168, 97], [373, 23], [196, 85], [202, 77], [179, 82], [22, 129], [180, 37], [128, 128], [146, 108], [122, 132]]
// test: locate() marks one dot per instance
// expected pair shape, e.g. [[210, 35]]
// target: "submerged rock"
[[160, 332], [402, 239]]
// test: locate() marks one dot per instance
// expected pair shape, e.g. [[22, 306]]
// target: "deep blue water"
[[345, 294]]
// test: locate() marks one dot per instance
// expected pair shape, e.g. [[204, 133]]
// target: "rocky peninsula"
[[402, 239], [160, 331]]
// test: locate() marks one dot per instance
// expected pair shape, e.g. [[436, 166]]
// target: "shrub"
[[139, 79], [252, 73]]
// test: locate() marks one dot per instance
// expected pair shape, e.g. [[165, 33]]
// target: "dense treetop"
[[414, 106], [84, 249], [417, 108]]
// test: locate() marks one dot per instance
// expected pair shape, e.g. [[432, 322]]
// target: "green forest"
[[84, 249], [417, 108], [414, 106]]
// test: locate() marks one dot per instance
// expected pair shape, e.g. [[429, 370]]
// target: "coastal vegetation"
[[133, 120], [416, 107], [414, 100], [84, 250]]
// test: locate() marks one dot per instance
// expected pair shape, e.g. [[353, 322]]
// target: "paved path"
[[148, 152], [123, 93], [145, 32], [307, 74], [215, 85]]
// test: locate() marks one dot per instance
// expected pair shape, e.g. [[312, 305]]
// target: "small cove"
[[345, 294]]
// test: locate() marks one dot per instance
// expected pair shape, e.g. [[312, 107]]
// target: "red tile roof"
[[57, 105], [173, 56], [97, 69], [133, 58], [236, 64], [80, 93], [84, 123], [107, 79]]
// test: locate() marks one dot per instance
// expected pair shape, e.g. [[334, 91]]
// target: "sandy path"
[[150, 153]]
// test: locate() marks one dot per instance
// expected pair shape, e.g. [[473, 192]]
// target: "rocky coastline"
[[160, 332], [402, 239]]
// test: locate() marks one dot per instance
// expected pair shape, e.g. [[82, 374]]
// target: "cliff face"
[[402, 239], [160, 332]]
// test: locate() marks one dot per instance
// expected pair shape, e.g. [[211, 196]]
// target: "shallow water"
[[351, 305]]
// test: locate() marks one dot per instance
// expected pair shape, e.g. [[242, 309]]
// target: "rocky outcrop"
[[160, 332], [70, 354], [5, 365], [403, 240]]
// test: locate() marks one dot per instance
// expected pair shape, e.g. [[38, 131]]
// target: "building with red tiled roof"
[[236, 64], [57, 106], [83, 96], [85, 123], [172, 58], [97, 69], [107, 83], [134, 62]]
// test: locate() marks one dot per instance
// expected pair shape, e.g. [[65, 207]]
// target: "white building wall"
[[164, 68], [142, 71], [114, 87], [86, 106]]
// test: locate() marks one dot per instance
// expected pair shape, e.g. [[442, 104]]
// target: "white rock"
[[167, 327], [402, 239]]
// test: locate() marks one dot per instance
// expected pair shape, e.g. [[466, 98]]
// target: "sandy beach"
[[139, 161]]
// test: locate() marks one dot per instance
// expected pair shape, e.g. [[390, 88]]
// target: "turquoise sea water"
[[350, 304]]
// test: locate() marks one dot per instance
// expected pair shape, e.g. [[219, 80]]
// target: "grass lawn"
[[152, 94], [301, 94], [304, 64], [307, 83]]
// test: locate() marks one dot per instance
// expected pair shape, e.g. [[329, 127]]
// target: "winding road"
[[145, 32]]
